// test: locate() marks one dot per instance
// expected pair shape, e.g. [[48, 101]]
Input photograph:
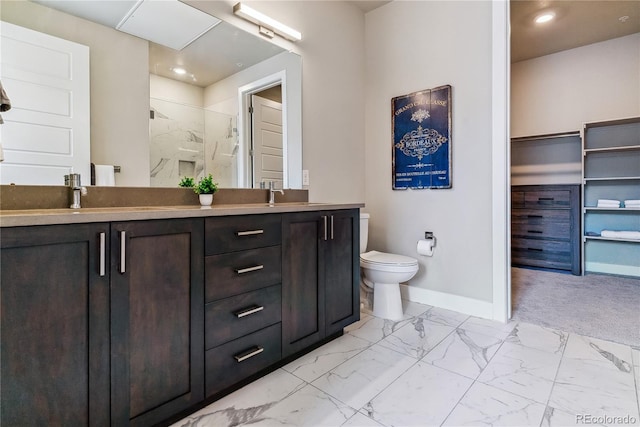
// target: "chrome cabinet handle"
[[248, 311], [123, 250], [253, 352], [331, 227], [324, 219], [249, 269], [249, 233], [103, 246]]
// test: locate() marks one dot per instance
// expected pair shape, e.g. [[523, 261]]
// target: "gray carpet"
[[596, 305]]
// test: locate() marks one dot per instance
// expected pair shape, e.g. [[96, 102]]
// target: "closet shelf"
[[611, 239], [612, 178], [612, 149], [595, 208]]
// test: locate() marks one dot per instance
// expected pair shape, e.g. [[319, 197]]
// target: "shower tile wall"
[[190, 141]]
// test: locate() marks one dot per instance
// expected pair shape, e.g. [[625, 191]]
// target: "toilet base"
[[387, 303]]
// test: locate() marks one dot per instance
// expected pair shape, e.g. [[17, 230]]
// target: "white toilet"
[[383, 272]]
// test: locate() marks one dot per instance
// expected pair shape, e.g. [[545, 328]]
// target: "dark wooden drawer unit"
[[233, 317], [238, 359], [243, 296], [545, 226]]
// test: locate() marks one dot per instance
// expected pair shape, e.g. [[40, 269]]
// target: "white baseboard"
[[470, 306], [624, 270]]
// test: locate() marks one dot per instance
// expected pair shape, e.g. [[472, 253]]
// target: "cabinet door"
[[54, 326], [157, 319], [302, 277], [342, 270]]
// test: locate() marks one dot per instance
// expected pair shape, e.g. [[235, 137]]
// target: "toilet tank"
[[364, 231]]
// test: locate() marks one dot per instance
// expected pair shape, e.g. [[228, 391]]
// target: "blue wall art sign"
[[421, 124]]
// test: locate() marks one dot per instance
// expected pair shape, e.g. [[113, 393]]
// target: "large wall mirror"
[[234, 111]]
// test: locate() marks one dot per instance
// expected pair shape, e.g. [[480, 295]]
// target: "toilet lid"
[[376, 257]]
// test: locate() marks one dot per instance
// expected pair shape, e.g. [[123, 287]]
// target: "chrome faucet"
[[272, 191], [75, 189]]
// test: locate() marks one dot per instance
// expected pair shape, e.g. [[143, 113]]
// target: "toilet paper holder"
[[428, 235]]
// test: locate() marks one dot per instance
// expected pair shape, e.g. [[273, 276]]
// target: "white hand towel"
[[634, 235], [608, 201], [632, 203], [105, 176]]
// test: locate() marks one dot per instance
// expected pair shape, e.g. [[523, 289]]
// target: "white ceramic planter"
[[205, 199]]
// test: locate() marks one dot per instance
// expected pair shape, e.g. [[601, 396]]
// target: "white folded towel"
[[608, 205], [608, 201], [635, 235], [632, 203]]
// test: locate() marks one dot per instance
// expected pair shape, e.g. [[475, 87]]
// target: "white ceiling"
[[220, 52]]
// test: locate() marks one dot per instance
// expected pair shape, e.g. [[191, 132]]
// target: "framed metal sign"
[[421, 132]]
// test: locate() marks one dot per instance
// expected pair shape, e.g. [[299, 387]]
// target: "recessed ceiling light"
[[544, 17], [179, 70]]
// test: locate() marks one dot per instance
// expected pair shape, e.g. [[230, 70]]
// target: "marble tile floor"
[[437, 367]]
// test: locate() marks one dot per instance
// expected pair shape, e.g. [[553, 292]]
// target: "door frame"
[[501, 160], [244, 126]]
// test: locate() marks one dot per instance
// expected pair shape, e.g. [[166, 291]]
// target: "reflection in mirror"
[[123, 93]]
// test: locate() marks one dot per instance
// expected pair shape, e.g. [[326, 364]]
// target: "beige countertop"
[[29, 217]]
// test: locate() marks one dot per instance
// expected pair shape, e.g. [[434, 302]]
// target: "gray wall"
[[413, 46]]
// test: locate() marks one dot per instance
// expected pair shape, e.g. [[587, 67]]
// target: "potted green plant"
[[205, 189], [187, 182]]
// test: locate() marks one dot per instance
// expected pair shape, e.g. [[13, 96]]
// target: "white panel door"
[[46, 134], [267, 157]]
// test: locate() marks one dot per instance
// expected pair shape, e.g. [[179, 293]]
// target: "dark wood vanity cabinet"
[[54, 325], [133, 322], [320, 276], [156, 319]]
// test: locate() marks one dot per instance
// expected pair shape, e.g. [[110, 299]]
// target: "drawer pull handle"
[[535, 216], [248, 311], [103, 250], [534, 231], [249, 269], [249, 233], [123, 252], [248, 354], [545, 199], [535, 249]]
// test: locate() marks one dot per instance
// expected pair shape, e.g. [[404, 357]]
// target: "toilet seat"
[[382, 261]]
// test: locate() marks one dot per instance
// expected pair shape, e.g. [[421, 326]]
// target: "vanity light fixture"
[[266, 23], [544, 17]]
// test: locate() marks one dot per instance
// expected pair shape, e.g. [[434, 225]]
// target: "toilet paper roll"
[[105, 176], [425, 247]]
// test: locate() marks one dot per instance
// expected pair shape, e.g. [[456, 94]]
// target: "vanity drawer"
[[239, 272], [541, 223], [231, 318], [541, 253], [232, 362], [237, 233], [547, 199]]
